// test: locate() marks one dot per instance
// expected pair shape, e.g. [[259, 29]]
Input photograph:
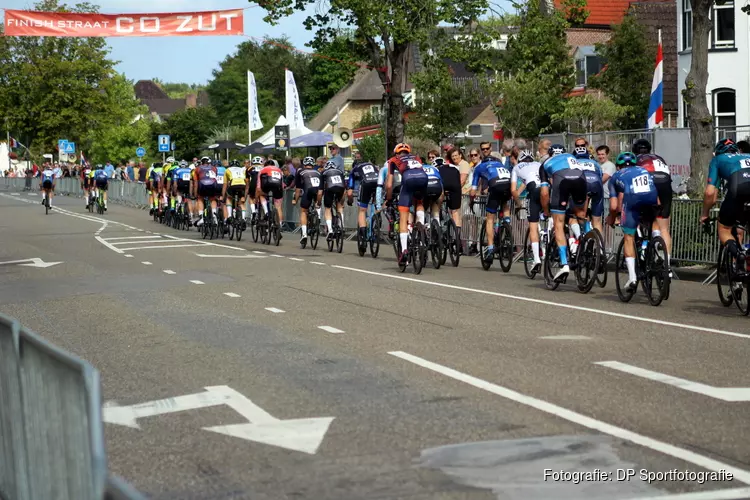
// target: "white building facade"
[[728, 89]]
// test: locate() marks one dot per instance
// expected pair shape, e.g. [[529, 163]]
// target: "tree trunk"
[[700, 118]]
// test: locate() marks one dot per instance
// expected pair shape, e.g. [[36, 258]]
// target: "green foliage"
[[179, 90], [228, 132], [372, 148], [441, 104], [189, 128], [627, 77], [52, 88], [267, 60], [118, 143], [575, 12], [368, 119], [589, 113], [334, 67]]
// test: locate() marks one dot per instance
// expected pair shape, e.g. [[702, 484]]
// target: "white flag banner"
[[293, 109], [253, 117]]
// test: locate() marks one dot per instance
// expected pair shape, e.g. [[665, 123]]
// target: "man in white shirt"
[[608, 168]]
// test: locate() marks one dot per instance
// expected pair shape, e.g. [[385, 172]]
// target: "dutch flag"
[[84, 163], [656, 104]]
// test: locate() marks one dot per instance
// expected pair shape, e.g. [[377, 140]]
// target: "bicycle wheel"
[[374, 238], [315, 235], [362, 242], [528, 255], [738, 280], [589, 258], [436, 243], [722, 277], [504, 243], [418, 247], [656, 271], [454, 239], [397, 245], [445, 233], [551, 263], [621, 274], [338, 234], [486, 260], [601, 275]]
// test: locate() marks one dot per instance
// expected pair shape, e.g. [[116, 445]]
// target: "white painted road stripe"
[[296, 259], [197, 282], [277, 255], [550, 303], [206, 242], [318, 263], [274, 310], [727, 494], [108, 245], [331, 329], [129, 238], [166, 246], [145, 262], [169, 271], [231, 294], [566, 337], [258, 251], [128, 255], [571, 416]]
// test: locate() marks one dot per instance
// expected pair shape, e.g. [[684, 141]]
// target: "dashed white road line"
[[276, 255], [331, 329], [128, 255], [169, 271], [566, 337], [296, 259], [15, 194], [275, 310], [197, 282], [146, 263], [258, 251], [577, 418], [318, 263], [231, 294]]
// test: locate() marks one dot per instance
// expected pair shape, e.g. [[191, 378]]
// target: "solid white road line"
[[258, 251], [150, 239], [550, 303], [571, 416], [108, 245], [145, 262], [166, 246], [229, 256], [275, 310], [331, 329], [277, 255], [726, 494], [566, 337], [169, 271], [129, 238], [211, 243], [296, 259], [197, 282], [128, 255], [231, 294], [318, 263]]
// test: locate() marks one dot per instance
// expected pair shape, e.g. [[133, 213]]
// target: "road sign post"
[[70, 147], [140, 152], [164, 144]]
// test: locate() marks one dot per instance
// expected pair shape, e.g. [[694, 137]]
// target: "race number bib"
[[220, 180], [660, 166], [185, 176], [211, 174], [502, 173], [572, 163], [412, 164], [368, 169], [641, 184], [745, 163], [314, 182], [276, 175], [586, 166], [336, 179]]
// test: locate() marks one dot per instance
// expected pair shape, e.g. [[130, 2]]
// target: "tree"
[[372, 148], [626, 79], [189, 128], [590, 113], [52, 88], [441, 103], [179, 90], [118, 143], [335, 65], [390, 30], [268, 59]]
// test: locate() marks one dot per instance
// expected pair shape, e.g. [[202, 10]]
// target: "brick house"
[[160, 105]]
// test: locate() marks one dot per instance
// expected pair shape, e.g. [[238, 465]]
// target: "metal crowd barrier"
[[51, 430], [690, 244]]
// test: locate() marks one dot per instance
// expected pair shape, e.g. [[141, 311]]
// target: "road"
[[327, 376]]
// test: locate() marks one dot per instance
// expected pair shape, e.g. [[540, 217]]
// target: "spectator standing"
[[109, 170], [131, 170], [336, 156], [608, 168], [544, 146]]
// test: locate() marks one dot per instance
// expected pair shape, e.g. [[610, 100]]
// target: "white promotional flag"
[[253, 117], [293, 109]]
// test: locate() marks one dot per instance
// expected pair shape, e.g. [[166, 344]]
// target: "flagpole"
[[249, 114], [7, 138]]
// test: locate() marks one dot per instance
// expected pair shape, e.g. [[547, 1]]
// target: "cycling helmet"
[[329, 165], [402, 147], [725, 146], [170, 159], [183, 164], [308, 161], [525, 156], [270, 163], [438, 162], [257, 160], [626, 159], [581, 152], [641, 147], [556, 149], [234, 163], [205, 160]]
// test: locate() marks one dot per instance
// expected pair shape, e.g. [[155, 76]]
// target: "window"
[[725, 113], [722, 25], [687, 25], [587, 67], [474, 130], [375, 111]]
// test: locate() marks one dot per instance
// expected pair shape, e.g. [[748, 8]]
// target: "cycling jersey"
[[252, 175], [100, 176], [271, 181], [735, 169], [493, 171], [235, 176], [85, 173], [639, 194], [333, 178], [659, 170], [528, 174], [724, 166], [156, 174], [567, 179], [362, 173], [434, 185], [404, 163], [592, 171], [413, 178], [206, 176], [48, 175], [307, 180]]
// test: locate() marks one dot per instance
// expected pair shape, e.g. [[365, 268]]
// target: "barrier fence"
[[690, 244], [51, 430]]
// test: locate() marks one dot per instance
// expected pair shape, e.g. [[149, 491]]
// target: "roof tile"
[[603, 12]]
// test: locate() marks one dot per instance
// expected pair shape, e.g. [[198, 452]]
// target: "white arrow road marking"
[[33, 262], [303, 434], [732, 394], [232, 256], [169, 271]]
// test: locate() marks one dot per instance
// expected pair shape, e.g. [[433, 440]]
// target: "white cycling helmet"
[[329, 165], [257, 160], [205, 160], [525, 155], [309, 160], [170, 159]]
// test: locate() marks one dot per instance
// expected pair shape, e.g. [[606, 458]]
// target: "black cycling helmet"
[[525, 156], [725, 146], [581, 152], [309, 161], [641, 147], [438, 162], [556, 149], [235, 163], [626, 159]]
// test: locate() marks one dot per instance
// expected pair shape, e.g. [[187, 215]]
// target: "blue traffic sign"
[[164, 144], [61, 144], [70, 148], [140, 152]]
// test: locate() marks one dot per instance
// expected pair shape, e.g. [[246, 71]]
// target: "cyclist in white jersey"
[[527, 171]]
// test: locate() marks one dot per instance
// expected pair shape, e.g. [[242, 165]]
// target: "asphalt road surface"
[[279, 373]]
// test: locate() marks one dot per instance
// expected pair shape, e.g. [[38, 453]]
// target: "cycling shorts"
[[637, 207], [535, 204], [595, 191], [413, 187], [308, 197], [432, 194], [183, 187], [102, 184], [331, 193], [452, 196], [566, 184], [208, 190], [238, 191], [732, 209], [663, 185], [87, 182], [268, 186], [366, 193], [47, 184], [497, 195]]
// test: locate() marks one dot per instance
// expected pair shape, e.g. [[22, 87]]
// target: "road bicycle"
[[451, 240], [733, 272], [586, 260], [416, 248], [502, 242], [313, 227], [337, 227], [100, 202], [528, 252], [372, 235], [236, 223], [269, 225]]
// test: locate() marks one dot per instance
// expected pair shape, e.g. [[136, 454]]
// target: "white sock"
[[535, 251], [229, 211], [630, 262], [264, 203], [420, 216], [319, 212], [341, 213], [304, 231], [252, 208], [243, 215], [404, 240], [655, 233], [576, 228], [329, 225]]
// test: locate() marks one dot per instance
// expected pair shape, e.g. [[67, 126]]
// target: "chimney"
[[191, 100]]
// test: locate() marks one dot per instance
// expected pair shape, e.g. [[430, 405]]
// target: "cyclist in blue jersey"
[[497, 176], [181, 186], [632, 193], [562, 174], [363, 179], [592, 171], [433, 197], [101, 180], [47, 182], [380, 191], [733, 167], [413, 187]]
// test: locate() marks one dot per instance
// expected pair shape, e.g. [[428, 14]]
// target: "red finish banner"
[[57, 24]]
